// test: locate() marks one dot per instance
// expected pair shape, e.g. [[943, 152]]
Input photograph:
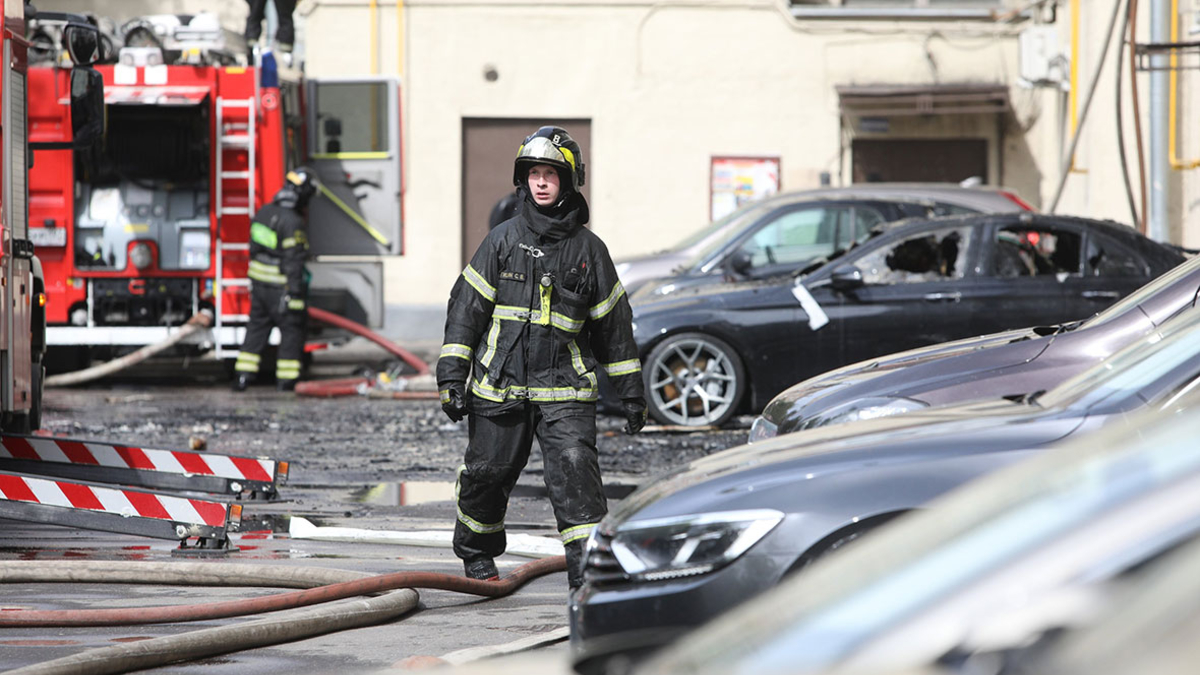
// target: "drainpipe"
[[1158, 225]]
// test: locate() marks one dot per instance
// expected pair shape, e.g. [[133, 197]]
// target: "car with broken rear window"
[[713, 351], [1010, 364], [803, 225]]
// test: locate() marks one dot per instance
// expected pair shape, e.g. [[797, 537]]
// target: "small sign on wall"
[[737, 180]]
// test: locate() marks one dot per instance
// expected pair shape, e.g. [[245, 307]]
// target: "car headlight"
[[762, 429], [865, 409], [683, 546]]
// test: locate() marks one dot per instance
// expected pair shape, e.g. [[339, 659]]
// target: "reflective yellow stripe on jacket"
[[266, 273], [538, 394]]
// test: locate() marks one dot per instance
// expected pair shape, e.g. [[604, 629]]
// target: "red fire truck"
[[22, 296], [194, 498], [152, 226]]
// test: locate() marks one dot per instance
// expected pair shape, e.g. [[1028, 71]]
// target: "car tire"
[[694, 379]]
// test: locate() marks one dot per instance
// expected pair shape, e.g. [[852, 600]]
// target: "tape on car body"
[[816, 315]]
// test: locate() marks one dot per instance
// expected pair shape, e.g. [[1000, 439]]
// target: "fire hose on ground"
[[353, 386], [337, 387], [199, 321], [349, 611]]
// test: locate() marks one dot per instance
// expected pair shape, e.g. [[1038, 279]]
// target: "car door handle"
[[1102, 295], [943, 297]]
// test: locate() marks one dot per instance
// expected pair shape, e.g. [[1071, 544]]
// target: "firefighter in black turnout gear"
[[278, 247], [536, 312]]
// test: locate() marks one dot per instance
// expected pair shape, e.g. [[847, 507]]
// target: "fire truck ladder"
[[124, 489], [236, 146]]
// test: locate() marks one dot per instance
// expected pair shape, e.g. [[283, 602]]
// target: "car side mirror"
[[846, 278], [87, 107], [739, 263], [83, 43]]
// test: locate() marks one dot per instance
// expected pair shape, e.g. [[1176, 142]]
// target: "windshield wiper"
[[1031, 398]]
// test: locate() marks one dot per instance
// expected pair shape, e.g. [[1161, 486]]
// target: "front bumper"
[[630, 619]]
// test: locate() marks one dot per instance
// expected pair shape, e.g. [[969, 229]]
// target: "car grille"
[[601, 567]]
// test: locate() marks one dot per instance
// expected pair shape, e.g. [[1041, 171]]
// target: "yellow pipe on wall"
[[1173, 98], [400, 38], [374, 11], [1072, 96]]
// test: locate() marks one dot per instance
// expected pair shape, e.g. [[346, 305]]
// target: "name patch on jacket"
[[513, 276]]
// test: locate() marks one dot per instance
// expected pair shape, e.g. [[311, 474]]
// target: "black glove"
[[635, 414], [290, 303], [454, 401]]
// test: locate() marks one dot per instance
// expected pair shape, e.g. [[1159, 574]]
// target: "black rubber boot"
[[243, 380], [575, 563], [483, 569], [285, 385]]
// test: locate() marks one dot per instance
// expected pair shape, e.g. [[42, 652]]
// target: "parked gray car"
[[825, 216], [726, 527], [1004, 562], [1013, 363]]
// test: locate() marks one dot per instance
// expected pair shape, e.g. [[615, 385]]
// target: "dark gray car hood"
[[727, 479]]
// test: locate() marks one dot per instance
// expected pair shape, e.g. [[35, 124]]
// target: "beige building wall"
[[668, 85]]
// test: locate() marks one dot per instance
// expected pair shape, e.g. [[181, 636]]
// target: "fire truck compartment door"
[[354, 144], [353, 289]]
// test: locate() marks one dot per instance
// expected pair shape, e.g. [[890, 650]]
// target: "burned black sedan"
[[709, 353]]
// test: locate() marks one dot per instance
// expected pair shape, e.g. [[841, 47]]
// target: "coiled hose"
[[322, 586]]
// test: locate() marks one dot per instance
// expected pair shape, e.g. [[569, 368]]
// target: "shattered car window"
[[929, 256], [1109, 259], [1030, 252]]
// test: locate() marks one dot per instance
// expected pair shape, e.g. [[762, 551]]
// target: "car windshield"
[[821, 616], [1139, 296], [732, 225], [1134, 367]]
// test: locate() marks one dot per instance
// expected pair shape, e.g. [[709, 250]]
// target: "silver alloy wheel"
[[693, 380]]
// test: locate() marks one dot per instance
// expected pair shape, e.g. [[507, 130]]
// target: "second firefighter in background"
[[278, 249], [535, 314]]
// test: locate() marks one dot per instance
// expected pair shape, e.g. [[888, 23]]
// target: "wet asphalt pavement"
[[355, 462]]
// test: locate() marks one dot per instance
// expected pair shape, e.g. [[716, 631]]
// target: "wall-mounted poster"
[[737, 180]]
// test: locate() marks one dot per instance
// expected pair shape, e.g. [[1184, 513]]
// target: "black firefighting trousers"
[[498, 449], [285, 33], [266, 312]]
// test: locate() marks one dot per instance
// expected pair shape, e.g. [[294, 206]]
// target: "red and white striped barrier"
[[120, 502], [127, 457], [141, 467]]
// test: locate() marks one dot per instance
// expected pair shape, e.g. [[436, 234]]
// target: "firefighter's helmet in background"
[[553, 146], [299, 185]]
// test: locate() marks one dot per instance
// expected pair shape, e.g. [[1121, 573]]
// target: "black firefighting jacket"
[[278, 247], [534, 314]]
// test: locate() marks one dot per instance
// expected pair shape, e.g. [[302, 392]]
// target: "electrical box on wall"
[[1042, 62]]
